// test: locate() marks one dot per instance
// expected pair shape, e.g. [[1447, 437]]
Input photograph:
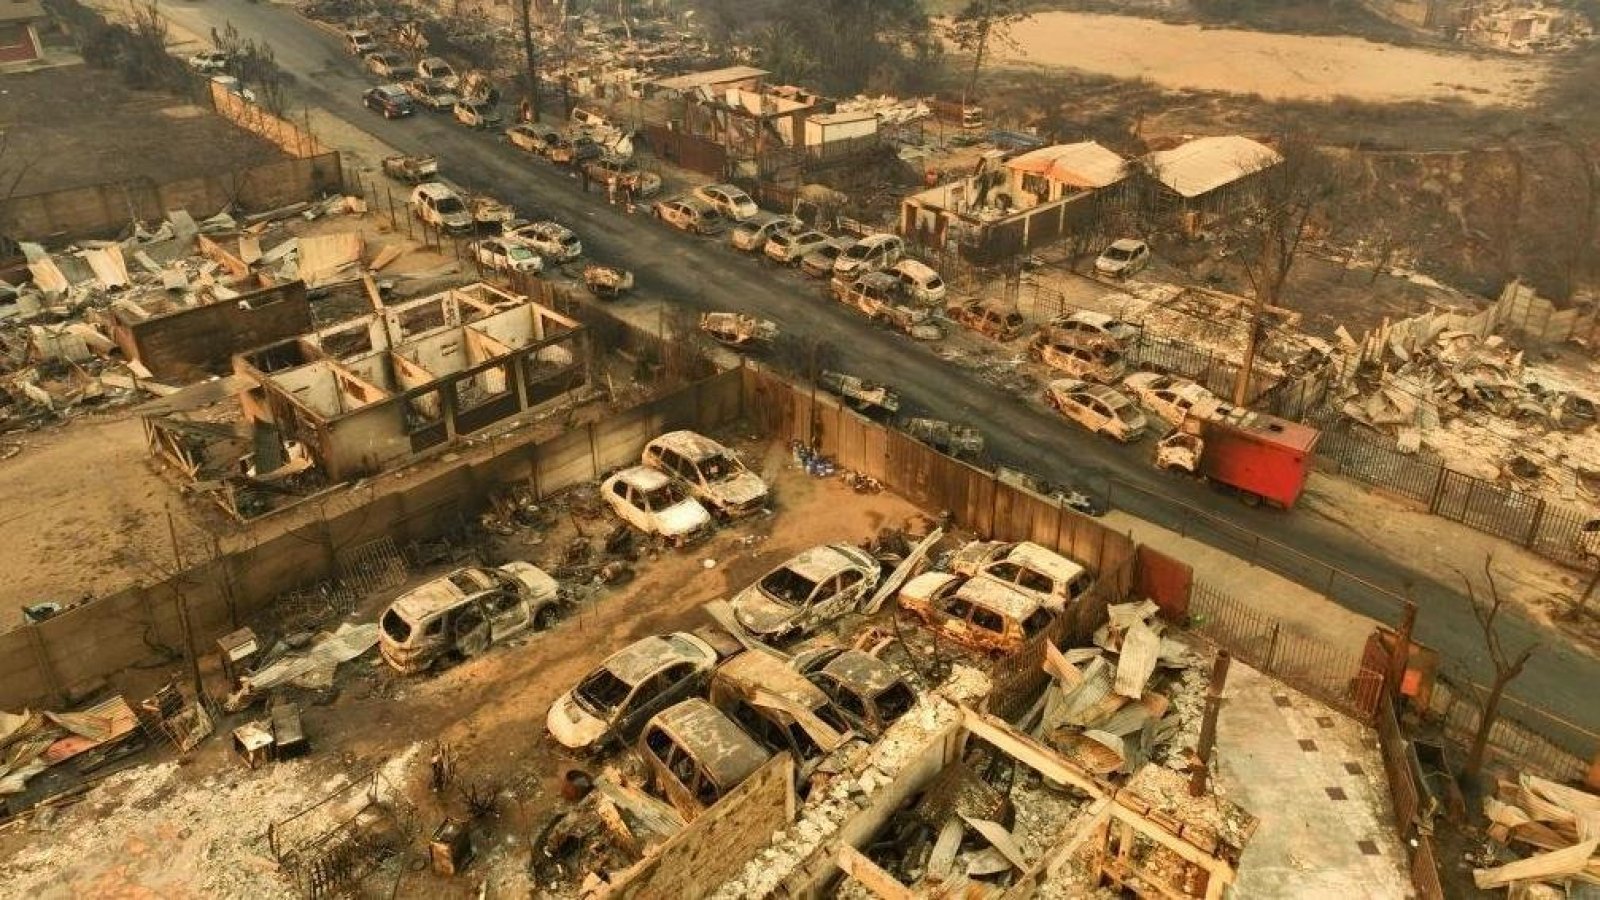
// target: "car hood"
[[741, 488], [535, 580], [760, 615], [571, 725], [682, 518]]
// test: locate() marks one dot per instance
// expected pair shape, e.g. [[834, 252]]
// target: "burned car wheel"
[[546, 618]]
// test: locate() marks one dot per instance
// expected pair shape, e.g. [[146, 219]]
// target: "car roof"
[[426, 599], [1000, 597], [436, 189], [862, 672], [727, 753], [1061, 385], [1127, 244], [756, 670], [642, 477], [916, 269], [878, 279], [1109, 395], [646, 656], [821, 562], [1044, 560], [689, 444], [879, 239]]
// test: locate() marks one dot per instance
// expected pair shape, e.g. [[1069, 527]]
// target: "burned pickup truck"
[[738, 330], [465, 612], [866, 396], [412, 169]]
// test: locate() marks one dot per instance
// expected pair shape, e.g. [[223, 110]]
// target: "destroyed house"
[[1011, 205], [732, 125], [1207, 178], [374, 392]]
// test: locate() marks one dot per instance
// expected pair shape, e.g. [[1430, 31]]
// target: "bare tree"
[[978, 27], [530, 57], [1507, 666], [1291, 192]]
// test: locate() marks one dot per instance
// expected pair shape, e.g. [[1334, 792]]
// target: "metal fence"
[[1401, 769], [1336, 675], [1524, 735], [1555, 531]]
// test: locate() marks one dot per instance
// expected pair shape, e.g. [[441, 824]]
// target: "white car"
[[1086, 327], [919, 282], [437, 69], [551, 240], [816, 587], [502, 255], [1123, 258], [690, 214], [209, 62], [1173, 398], [871, 253], [789, 248], [1032, 568], [1099, 408], [711, 472], [390, 66], [733, 203], [655, 504], [612, 703], [751, 235], [532, 138], [359, 42], [441, 207], [477, 113]]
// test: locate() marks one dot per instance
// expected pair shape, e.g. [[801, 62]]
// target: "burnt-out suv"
[[695, 755], [465, 612]]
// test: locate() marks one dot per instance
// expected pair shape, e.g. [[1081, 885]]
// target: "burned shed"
[[375, 392], [181, 343]]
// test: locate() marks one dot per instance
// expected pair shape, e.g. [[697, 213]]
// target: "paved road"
[[702, 275]]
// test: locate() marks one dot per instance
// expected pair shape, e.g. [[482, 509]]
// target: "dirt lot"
[[75, 126], [195, 827], [1275, 66]]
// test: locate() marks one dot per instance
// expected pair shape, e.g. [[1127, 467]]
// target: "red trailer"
[[1264, 457]]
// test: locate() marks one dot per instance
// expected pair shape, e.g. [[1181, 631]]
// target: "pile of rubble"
[[1478, 403], [1136, 696], [1557, 826]]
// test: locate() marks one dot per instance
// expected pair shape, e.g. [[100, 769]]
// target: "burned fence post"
[[1198, 782]]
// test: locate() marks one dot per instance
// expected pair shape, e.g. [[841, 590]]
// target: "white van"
[[870, 254], [920, 283]]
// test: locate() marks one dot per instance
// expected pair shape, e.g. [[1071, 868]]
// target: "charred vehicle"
[[738, 330], [613, 702], [696, 755], [783, 711], [980, 613], [465, 612], [818, 586], [868, 692], [712, 473]]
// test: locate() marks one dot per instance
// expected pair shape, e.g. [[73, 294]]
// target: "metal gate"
[[1489, 508]]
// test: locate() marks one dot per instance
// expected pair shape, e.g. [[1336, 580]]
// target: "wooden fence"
[[295, 140]]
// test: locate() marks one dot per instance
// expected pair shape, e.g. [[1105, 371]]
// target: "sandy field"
[[1276, 66]]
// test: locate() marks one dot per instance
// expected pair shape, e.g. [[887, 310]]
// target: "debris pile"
[[1558, 827], [31, 742], [1441, 383], [1099, 708]]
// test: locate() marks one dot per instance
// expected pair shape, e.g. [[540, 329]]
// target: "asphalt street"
[[704, 274]]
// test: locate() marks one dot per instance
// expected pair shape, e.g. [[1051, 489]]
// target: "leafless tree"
[[1290, 193], [1507, 665], [530, 57], [979, 27]]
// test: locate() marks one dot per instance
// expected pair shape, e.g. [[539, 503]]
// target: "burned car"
[[981, 613], [655, 504], [738, 330], [695, 755], [1053, 578], [868, 692], [466, 611], [1101, 409], [613, 702], [711, 472], [987, 318], [818, 586], [780, 709], [1172, 398]]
